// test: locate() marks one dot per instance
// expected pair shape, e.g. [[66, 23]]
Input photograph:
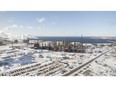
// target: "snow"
[[12, 37], [11, 59], [103, 66]]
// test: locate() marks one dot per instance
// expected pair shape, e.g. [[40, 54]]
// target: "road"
[[76, 69]]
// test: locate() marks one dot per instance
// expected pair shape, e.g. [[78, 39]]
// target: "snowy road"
[[78, 68]]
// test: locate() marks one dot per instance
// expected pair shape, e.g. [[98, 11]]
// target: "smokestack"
[[82, 41]]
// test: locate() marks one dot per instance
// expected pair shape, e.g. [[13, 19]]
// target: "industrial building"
[[65, 46]]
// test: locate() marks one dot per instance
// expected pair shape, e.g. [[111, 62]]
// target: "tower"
[[82, 48]]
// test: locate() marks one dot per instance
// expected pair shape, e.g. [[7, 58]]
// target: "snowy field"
[[103, 66], [25, 61]]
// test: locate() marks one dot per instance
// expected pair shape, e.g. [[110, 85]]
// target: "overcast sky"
[[42, 23]]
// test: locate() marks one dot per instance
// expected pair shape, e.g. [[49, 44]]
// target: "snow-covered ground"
[[103, 66], [13, 58]]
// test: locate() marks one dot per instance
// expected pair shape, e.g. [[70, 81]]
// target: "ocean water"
[[77, 39]]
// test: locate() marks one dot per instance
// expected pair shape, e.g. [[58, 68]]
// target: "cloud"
[[12, 27], [41, 20], [38, 27], [10, 21], [29, 27], [6, 28], [15, 26], [21, 26]]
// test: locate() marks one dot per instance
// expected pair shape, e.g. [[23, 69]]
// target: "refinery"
[[58, 43], [34, 57]]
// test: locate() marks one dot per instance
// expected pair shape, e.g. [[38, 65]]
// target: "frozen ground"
[[55, 63], [103, 66]]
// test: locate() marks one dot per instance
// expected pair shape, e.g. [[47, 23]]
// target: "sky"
[[59, 23]]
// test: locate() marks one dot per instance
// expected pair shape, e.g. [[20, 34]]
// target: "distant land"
[[95, 37], [83, 39]]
